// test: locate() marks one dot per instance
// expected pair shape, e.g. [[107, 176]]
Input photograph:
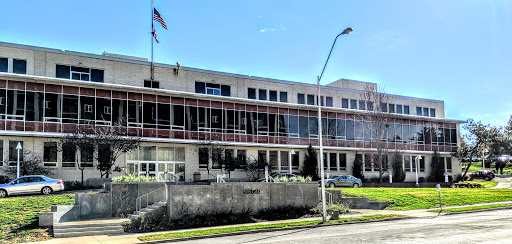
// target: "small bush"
[[4, 179], [134, 179], [283, 212], [340, 207], [77, 185]]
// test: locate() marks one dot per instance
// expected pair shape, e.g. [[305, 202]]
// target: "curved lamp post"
[[320, 137]]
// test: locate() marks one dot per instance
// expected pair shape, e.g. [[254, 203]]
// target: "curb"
[[478, 210], [273, 230]]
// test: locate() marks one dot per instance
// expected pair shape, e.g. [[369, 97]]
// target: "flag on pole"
[[158, 17], [154, 35]]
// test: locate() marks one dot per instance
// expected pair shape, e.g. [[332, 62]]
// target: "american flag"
[[158, 17], [154, 35]]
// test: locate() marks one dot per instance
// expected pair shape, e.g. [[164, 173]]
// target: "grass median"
[[423, 198], [471, 208], [196, 233], [18, 216]]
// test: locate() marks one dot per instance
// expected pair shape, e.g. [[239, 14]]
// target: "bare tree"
[[376, 124], [110, 142], [216, 155], [255, 168]]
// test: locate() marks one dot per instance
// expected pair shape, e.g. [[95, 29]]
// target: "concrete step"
[[376, 205], [87, 229], [87, 233], [85, 225]]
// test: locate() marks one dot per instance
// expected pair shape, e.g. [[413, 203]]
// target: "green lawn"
[[18, 216], [184, 234], [471, 208], [422, 198], [475, 166]]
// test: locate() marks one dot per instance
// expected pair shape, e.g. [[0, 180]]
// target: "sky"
[[458, 51]]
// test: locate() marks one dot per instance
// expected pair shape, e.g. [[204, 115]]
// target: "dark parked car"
[[482, 174], [31, 184], [343, 180]]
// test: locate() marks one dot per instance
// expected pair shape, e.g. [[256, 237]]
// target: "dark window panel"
[[19, 66], [273, 96], [119, 108], [328, 101], [200, 87], [303, 127], [262, 94], [406, 109], [392, 108], [369, 105], [50, 152], [70, 109], [149, 114], [225, 90], [425, 112], [432, 112], [311, 99], [353, 104], [399, 109], [97, 75], [384, 107], [362, 105], [13, 152], [300, 99], [343, 160], [251, 93], [62, 71], [344, 103], [418, 111], [164, 118], [283, 97], [4, 64], [34, 111]]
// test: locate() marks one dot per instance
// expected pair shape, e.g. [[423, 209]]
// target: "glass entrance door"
[[148, 169]]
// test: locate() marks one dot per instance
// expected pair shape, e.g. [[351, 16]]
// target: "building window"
[[422, 164], [87, 155], [283, 97], [407, 163], [4, 64], [151, 84], [295, 160], [399, 109], [392, 108], [262, 156], [272, 96], [1, 152], [369, 105], [19, 66], [353, 104], [311, 99], [328, 101], [68, 155], [251, 93], [418, 111], [321, 100], [262, 94], [362, 105], [50, 154], [384, 107], [425, 112], [241, 155], [79, 73], [449, 164], [332, 162], [344, 103], [300, 99], [13, 152], [406, 109], [432, 112], [343, 161], [213, 89], [203, 158]]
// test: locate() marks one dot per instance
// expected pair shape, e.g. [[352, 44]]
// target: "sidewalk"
[[132, 238]]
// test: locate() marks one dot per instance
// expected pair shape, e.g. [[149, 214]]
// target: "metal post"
[[483, 160], [18, 147], [417, 159], [152, 36], [290, 162], [321, 154]]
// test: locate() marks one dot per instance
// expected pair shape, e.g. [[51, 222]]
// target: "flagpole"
[[152, 36]]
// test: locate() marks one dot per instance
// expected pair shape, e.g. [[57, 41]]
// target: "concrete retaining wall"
[[242, 196]]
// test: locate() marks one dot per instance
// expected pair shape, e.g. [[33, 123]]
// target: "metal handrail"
[[219, 179], [138, 200]]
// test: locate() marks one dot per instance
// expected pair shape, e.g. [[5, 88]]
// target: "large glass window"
[[70, 109], [343, 161], [295, 160], [350, 130], [149, 115], [340, 129], [79, 73], [34, 111], [19, 66], [87, 155], [52, 105], [119, 108], [68, 155], [449, 164], [104, 110], [13, 152], [313, 127], [15, 104], [293, 125], [203, 158], [135, 113], [191, 121], [284, 160], [332, 161], [87, 114], [242, 158], [273, 160], [178, 117]]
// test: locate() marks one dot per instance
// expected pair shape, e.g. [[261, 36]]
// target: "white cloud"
[[274, 28]]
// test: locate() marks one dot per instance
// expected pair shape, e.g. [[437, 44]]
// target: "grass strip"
[[485, 184], [424, 198], [195, 233], [471, 208]]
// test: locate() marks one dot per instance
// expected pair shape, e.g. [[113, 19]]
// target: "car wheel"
[[332, 185], [487, 179], [356, 185], [46, 190], [3, 193]]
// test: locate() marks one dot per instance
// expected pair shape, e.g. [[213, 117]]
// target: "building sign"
[[251, 192]]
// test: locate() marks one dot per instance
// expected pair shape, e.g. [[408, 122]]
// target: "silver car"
[[31, 184], [343, 180]]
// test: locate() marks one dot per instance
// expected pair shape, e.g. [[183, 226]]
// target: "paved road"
[[482, 227]]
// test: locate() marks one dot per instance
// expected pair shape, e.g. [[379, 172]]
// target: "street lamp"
[[18, 147], [483, 157], [320, 137], [418, 158]]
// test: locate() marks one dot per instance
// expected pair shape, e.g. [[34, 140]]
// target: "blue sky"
[[456, 51]]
